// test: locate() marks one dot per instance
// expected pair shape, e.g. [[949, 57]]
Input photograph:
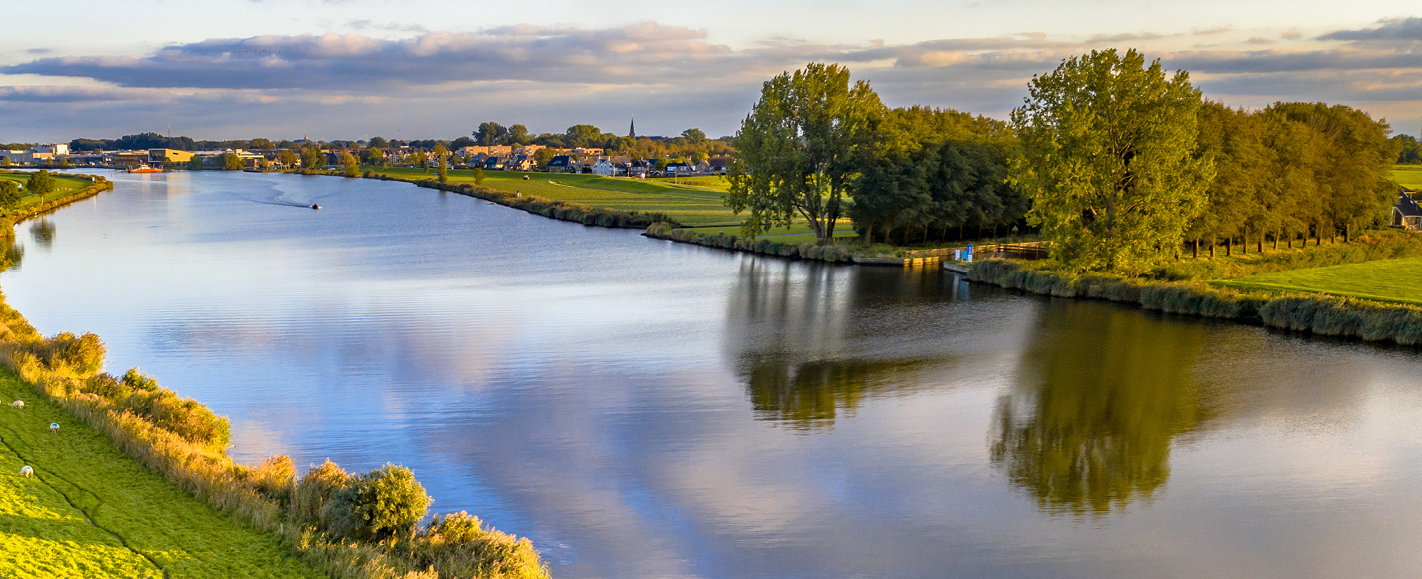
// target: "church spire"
[[632, 132]]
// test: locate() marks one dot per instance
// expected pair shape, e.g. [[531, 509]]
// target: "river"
[[641, 408]]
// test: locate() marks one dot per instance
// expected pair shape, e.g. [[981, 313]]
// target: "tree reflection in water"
[[1101, 392], [43, 233], [813, 345], [11, 253]]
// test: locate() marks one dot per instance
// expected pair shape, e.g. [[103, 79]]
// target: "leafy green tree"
[[9, 195], [1234, 138], [518, 135], [1107, 153], [542, 156], [349, 166], [231, 162], [801, 149], [491, 133], [694, 136], [312, 158], [260, 144], [40, 183], [478, 176], [1409, 150], [378, 143], [195, 163], [583, 136], [287, 158], [443, 155]]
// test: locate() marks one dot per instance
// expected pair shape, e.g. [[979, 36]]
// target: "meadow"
[[1393, 280], [63, 185], [91, 511], [1409, 176], [686, 204]]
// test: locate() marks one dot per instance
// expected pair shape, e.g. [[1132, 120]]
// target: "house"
[[563, 164], [719, 165], [494, 163], [520, 163], [640, 168], [496, 150], [165, 156], [1407, 214], [611, 166], [678, 168]]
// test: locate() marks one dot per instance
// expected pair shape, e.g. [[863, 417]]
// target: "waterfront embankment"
[[71, 187]]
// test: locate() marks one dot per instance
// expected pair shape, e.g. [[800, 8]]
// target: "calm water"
[[647, 409]]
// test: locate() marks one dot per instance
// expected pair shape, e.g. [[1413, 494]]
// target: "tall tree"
[[1107, 153], [518, 135], [491, 133], [312, 158], [9, 195], [39, 183], [802, 147]]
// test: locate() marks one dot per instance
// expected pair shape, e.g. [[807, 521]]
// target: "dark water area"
[[647, 409]]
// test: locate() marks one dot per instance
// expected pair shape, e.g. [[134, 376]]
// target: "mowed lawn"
[[62, 186], [1409, 176], [44, 532], [687, 205], [1392, 280]]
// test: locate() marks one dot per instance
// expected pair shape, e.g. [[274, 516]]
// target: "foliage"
[[40, 183], [231, 162], [383, 503], [195, 163], [83, 354], [458, 542], [287, 158], [1107, 152], [939, 170], [478, 176], [349, 166], [1409, 150], [801, 149], [312, 158], [9, 195]]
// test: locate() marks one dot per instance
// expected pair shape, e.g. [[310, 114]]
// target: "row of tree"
[[1114, 162]]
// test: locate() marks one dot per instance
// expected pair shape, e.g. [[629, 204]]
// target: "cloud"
[[1387, 29]]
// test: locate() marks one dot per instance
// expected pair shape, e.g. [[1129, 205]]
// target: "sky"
[[417, 69]]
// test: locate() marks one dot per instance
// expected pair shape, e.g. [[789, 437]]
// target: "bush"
[[457, 545], [82, 354], [135, 380], [184, 417], [275, 478], [313, 491], [383, 503]]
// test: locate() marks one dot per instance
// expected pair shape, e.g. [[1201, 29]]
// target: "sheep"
[[17, 404], [54, 427], [26, 471]]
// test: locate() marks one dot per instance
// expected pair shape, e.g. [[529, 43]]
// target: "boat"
[[144, 168], [315, 206]]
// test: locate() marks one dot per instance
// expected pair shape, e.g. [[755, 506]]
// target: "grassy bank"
[[1392, 280], [1319, 314], [68, 189], [91, 511], [349, 525], [783, 246], [684, 205]]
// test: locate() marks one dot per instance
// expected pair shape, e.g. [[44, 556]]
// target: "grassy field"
[[67, 520], [1409, 176], [690, 206], [63, 186], [1393, 280]]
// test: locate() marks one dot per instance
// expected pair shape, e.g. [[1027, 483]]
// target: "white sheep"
[[54, 427], [17, 404], [26, 471]]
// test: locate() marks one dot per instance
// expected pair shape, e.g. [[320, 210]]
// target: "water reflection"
[[1101, 393], [11, 253], [42, 232], [812, 347]]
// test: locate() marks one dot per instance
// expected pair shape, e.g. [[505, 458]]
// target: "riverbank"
[[72, 187], [186, 443], [1320, 314]]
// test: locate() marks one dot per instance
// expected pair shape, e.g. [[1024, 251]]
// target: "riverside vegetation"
[[352, 526]]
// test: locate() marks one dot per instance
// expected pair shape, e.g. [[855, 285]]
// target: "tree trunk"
[[1244, 243], [1195, 250], [1212, 247], [1229, 246], [1348, 233]]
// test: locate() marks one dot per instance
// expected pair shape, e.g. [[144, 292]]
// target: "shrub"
[[135, 380], [457, 545], [9, 194], [313, 491], [105, 386], [184, 417], [82, 354], [383, 503], [275, 477]]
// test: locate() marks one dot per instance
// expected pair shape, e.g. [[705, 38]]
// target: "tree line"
[[1116, 163]]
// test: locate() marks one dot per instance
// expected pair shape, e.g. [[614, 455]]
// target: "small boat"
[[144, 168], [315, 206]]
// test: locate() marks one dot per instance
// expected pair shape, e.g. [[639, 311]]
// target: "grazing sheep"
[[54, 427], [17, 404], [26, 471]]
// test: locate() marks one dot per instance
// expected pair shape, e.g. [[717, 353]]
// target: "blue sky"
[[423, 69]]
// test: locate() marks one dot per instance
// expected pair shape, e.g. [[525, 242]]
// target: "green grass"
[[62, 186], [45, 521], [1409, 176], [1393, 280], [687, 205]]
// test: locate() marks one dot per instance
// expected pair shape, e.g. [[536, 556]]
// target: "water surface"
[[647, 409]]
